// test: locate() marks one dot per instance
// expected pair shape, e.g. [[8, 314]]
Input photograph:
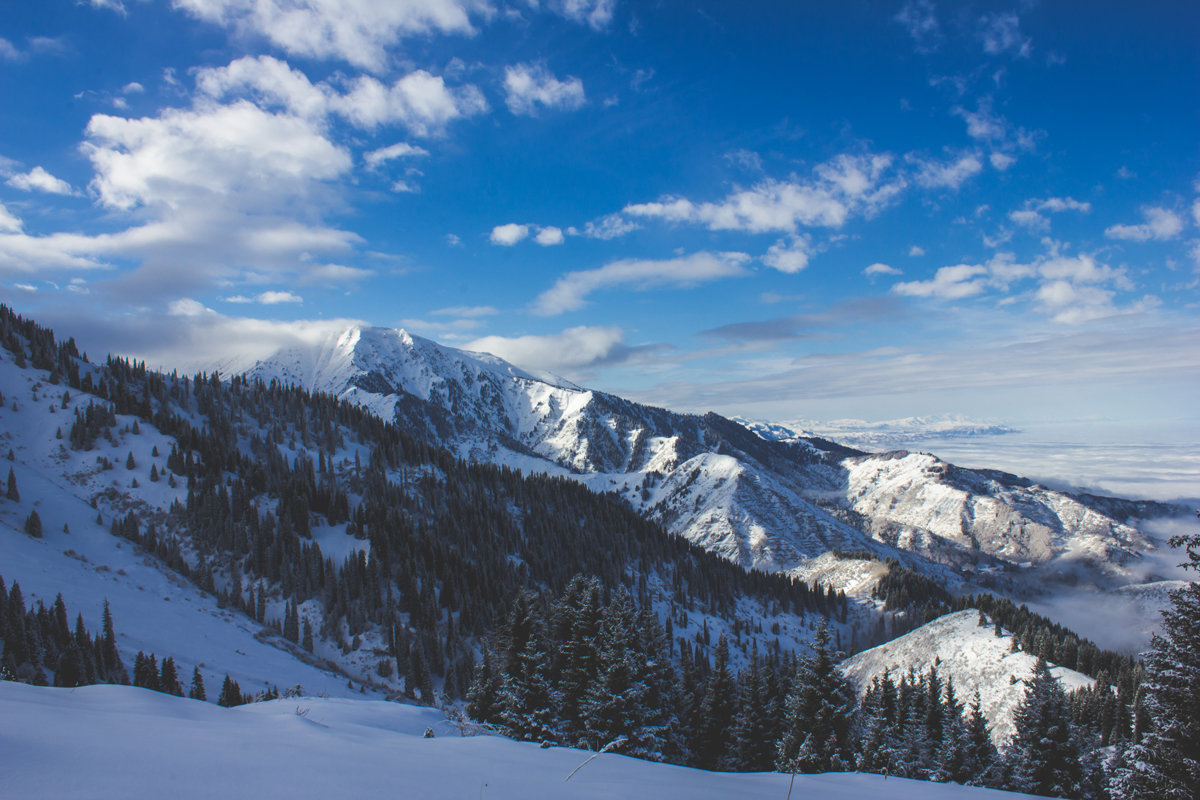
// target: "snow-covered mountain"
[[973, 658], [756, 495], [879, 435]]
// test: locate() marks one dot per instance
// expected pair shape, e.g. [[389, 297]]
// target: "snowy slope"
[[118, 741], [762, 495], [973, 658], [927, 505], [153, 609]]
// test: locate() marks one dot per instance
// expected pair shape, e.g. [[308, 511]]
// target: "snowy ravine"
[[754, 495], [103, 742], [971, 657]]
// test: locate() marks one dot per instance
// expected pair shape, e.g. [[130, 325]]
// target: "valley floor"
[[119, 741]]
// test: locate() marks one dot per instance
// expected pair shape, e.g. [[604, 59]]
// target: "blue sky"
[[781, 210]]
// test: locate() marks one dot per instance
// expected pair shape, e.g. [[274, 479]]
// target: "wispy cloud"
[[570, 351], [571, 290]]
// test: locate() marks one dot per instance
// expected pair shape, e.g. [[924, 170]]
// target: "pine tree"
[[711, 744], [1166, 762], [33, 525], [1043, 757], [816, 722], [483, 698], [13, 494], [168, 679], [231, 694], [197, 691]]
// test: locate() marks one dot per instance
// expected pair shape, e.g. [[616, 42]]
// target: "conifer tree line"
[[37, 641], [594, 670]]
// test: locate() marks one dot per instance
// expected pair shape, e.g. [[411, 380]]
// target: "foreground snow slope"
[[973, 658], [118, 742]]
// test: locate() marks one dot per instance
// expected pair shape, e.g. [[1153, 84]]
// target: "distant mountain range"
[[766, 496]]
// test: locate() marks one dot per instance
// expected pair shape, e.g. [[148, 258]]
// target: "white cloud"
[[25, 287], [9, 223], [420, 101], [919, 19], [950, 283], [399, 150], [594, 13], [216, 195], [509, 234], [238, 153], [573, 349], [841, 187], [1061, 204], [1160, 224], [275, 298], [39, 180], [360, 32], [133, 87], [571, 290], [789, 255], [1001, 33], [610, 226], [1029, 219], [1002, 161], [1196, 212], [530, 86], [950, 174], [915, 251], [549, 236], [881, 269], [1030, 216]]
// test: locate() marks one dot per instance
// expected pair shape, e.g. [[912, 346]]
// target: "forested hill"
[[263, 482]]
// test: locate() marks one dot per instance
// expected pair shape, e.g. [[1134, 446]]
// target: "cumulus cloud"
[[9, 223], [530, 87], [359, 32], [789, 255], [509, 234], [216, 194], [1070, 289], [881, 269], [1160, 224], [571, 290], [1030, 214], [839, 188], [549, 236], [915, 251], [39, 180], [569, 351], [419, 100], [949, 174]]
